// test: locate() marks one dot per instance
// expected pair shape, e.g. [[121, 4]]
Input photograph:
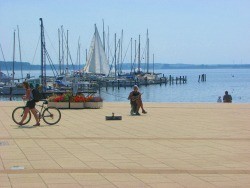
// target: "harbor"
[[124, 94], [217, 82], [100, 70]]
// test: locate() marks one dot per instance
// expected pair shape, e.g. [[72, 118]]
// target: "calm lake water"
[[235, 81]]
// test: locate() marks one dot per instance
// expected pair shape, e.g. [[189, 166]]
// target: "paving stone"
[[174, 145]]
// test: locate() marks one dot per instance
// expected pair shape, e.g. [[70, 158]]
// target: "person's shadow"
[[24, 126]]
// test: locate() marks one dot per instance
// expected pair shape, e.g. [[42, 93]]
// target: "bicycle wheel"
[[51, 115], [18, 113]]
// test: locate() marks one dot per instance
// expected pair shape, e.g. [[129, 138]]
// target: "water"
[[235, 81]]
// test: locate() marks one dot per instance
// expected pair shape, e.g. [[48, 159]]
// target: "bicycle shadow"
[[24, 127], [31, 126]]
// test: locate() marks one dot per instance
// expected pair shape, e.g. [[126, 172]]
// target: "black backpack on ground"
[[36, 95]]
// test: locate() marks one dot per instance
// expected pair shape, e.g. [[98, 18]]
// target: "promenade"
[[174, 145]]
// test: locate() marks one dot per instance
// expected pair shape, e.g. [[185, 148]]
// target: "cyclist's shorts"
[[31, 104]]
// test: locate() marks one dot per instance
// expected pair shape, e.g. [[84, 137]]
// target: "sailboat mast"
[[62, 60], [20, 53], [131, 55], [115, 57], [103, 34], [139, 51], [108, 45], [59, 59], [4, 60], [67, 52], [135, 56], [13, 63], [121, 52], [43, 60], [118, 56], [79, 53], [147, 52]]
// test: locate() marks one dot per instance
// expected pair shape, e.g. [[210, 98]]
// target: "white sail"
[[97, 60]]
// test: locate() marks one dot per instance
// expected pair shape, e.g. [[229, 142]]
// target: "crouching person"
[[136, 101]]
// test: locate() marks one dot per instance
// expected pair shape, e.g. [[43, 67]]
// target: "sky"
[[180, 31]]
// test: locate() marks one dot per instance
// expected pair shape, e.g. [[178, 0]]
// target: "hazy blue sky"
[[180, 31]]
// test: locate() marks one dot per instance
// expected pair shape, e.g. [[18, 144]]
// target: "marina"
[[98, 72], [236, 81], [124, 94]]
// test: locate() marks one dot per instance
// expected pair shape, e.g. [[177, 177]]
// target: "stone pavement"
[[174, 145]]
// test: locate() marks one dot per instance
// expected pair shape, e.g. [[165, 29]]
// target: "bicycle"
[[50, 115]]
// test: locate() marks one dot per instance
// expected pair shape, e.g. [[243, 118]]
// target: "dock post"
[[118, 83], [170, 79], [99, 87], [180, 80], [176, 80], [11, 96]]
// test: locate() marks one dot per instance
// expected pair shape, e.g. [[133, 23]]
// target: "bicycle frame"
[[42, 107], [46, 113]]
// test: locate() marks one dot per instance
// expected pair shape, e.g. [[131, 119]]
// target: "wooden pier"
[[141, 82]]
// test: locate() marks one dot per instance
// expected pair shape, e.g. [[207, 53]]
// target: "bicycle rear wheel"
[[18, 113], [51, 115]]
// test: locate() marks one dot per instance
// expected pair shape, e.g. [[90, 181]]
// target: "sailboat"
[[13, 88], [4, 79], [97, 62]]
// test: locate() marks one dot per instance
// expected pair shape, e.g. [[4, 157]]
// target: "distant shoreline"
[[125, 66]]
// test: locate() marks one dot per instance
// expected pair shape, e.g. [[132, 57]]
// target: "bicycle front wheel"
[[18, 114], [51, 115]]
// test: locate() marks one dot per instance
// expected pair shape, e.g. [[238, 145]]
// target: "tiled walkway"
[[174, 145]]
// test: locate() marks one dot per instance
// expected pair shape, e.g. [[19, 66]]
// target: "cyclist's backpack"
[[36, 95]]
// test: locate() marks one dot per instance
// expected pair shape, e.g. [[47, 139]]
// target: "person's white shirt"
[[219, 99]]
